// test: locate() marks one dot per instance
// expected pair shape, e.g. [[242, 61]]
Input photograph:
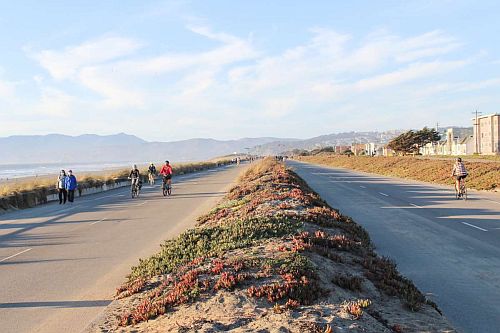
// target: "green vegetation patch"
[[213, 241]]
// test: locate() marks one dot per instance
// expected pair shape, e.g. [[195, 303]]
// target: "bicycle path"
[[60, 265], [450, 248]]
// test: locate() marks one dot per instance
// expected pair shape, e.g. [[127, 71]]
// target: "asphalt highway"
[[60, 265], [450, 248]]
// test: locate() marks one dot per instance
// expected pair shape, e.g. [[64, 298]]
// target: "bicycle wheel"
[[169, 190]]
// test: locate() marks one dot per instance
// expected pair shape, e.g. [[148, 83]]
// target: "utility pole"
[[476, 127]]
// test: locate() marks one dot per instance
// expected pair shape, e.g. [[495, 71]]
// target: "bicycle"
[[462, 191], [166, 187], [135, 188], [151, 179]]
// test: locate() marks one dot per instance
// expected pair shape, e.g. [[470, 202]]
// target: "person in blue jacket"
[[70, 184]]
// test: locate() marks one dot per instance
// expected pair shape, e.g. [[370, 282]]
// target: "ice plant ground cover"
[[482, 175], [272, 256]]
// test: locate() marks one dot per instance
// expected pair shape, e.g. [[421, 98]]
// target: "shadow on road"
[[56, 304]]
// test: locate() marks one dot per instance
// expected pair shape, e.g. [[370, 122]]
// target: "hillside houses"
[[483, 138], [451, 144]]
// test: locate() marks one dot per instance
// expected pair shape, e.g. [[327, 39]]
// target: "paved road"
[[449, 248], [59, 266]]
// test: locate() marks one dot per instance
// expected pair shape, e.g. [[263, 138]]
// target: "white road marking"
[[362, 186], [474, 226], [15, 255], [417, 206], [385, 195], [97, 221], [142, 203], [493, 201]]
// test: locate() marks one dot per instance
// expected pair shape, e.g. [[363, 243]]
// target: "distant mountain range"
[[91, 148], [56, 148]]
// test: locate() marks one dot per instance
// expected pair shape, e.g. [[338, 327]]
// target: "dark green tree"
[[411, 141]]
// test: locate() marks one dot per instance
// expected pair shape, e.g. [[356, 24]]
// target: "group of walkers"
[[66, 186]]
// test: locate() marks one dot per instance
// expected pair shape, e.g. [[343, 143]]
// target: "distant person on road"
[[151, 174], [61, 187], [459, 172], [70, 185], [135, 175], [166, 172], [152, 169]]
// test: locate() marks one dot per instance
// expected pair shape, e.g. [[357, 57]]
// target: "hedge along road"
[[450, 248], [60, 265]]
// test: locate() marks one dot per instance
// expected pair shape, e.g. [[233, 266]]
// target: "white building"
[[451, 145], [487, 134]]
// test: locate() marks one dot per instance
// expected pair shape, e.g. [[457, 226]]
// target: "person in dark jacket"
[[61, 187], [70, 185]]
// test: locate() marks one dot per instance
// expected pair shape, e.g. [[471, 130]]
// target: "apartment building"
[[487, 134]]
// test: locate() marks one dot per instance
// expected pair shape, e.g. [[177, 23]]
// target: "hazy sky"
[[167, 70]]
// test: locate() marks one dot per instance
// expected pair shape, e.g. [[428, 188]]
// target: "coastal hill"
[[91, 148]]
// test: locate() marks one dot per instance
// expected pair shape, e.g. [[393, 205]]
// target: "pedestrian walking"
[[61, 187], [70, 185]]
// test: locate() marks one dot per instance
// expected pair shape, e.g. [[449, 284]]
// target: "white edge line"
[[385, 195], [417, 206], [15, 255], [97, 221], [474, 226], [493, 201]]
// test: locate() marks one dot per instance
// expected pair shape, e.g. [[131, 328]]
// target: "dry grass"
[[478, 158], [482, 176], [266, 165]]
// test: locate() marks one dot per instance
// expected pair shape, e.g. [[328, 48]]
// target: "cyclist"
[[166, 172], [459, 172], [151, 173], [135, 175]]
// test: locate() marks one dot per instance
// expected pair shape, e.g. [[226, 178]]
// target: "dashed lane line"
[[15, 255], [97, 221], [417, 206], [385, 195], [362, 186], [474, 226]]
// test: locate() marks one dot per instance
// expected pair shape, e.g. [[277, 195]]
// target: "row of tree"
[[410, 142]]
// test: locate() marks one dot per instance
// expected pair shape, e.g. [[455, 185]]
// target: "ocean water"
[[11, 171]]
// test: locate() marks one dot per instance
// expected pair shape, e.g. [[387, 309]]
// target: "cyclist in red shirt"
[[166, 172]]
